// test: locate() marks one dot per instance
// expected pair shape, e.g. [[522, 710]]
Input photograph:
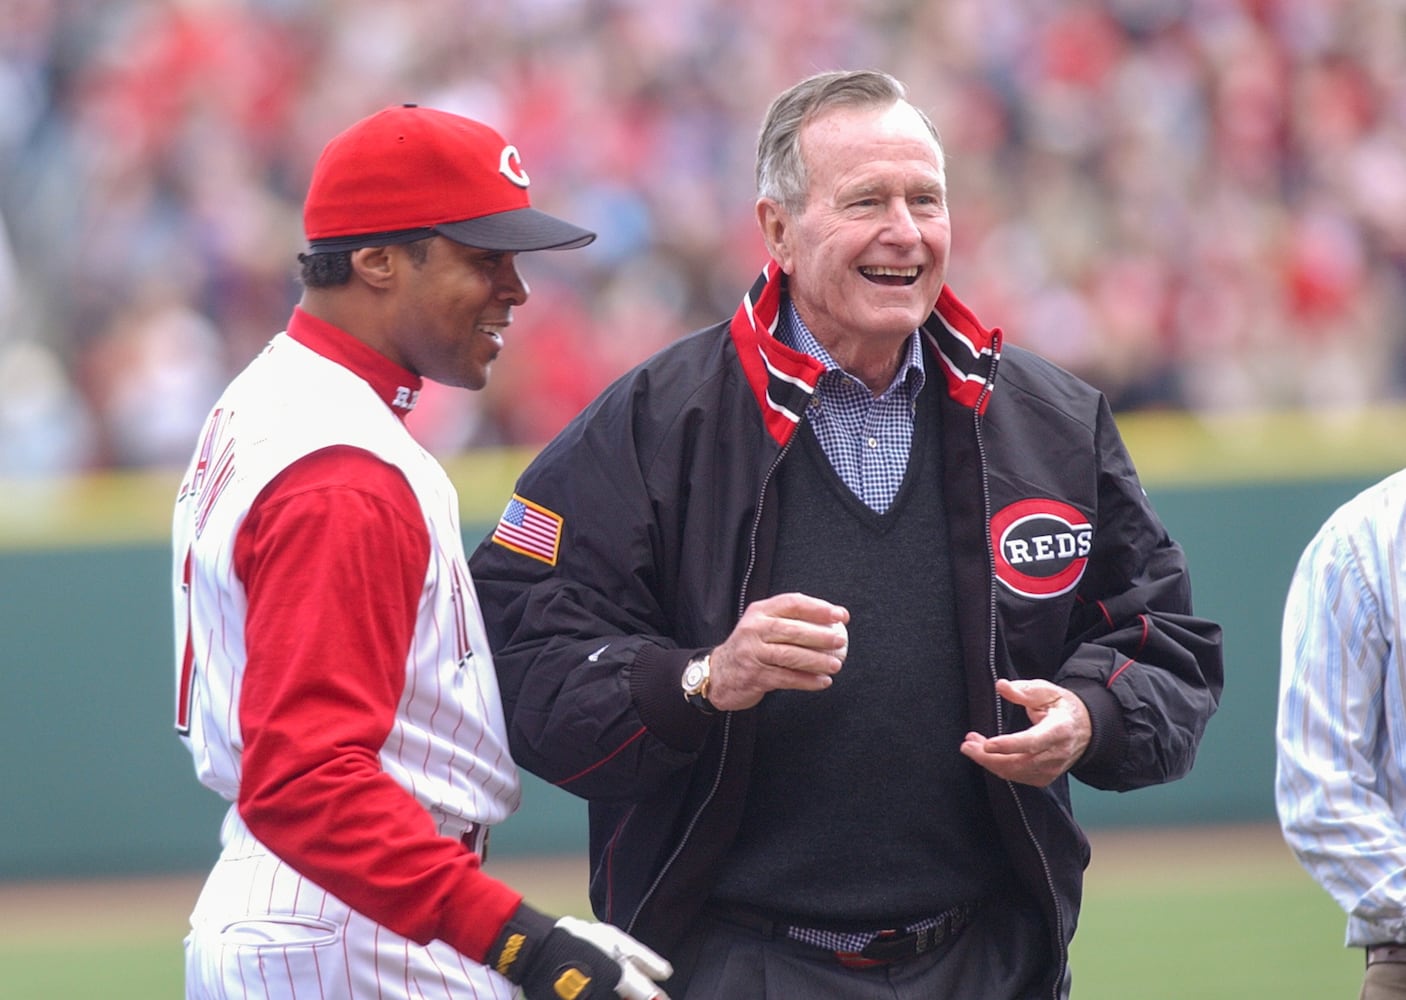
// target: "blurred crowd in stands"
[[1195, 204]]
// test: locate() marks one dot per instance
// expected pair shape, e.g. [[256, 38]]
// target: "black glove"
[[571, 959]]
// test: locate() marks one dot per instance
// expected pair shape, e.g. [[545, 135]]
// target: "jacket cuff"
[[1108, 740], [656, 687]]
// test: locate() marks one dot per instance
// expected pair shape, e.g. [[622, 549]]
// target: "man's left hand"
[[1058, 735]]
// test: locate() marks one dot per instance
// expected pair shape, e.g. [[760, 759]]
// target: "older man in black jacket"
[[820, 607]]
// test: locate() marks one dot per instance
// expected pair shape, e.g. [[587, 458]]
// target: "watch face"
[[693, 676]]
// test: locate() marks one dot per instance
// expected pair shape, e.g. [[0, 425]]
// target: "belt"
[[858, 949], [475, 838], [1392, 953]]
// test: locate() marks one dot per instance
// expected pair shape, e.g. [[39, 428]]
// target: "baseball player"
[[334, 682]]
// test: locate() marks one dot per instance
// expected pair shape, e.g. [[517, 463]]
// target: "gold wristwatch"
[[696, 676]]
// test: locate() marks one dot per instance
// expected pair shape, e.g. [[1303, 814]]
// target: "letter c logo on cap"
[[510, 166]]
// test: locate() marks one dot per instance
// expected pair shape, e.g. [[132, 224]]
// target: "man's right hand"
[[572, 959], [791, 641]]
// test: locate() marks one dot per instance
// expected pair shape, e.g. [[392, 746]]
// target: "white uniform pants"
[[260, 930]]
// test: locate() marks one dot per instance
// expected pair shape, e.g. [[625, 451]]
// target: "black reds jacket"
[[655, 518]]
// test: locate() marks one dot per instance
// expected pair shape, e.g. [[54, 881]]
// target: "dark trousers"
[[1003, 955]]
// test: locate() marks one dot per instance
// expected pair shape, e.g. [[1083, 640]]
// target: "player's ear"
[[374, 265]]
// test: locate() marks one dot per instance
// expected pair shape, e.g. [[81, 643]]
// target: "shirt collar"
[[793, 332], [398, 388]]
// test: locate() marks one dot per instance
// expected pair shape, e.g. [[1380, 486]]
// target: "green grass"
[[1174, 916], [137, 968], [1234, 941]]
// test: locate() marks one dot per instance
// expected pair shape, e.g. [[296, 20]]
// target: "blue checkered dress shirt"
[[866, 437]]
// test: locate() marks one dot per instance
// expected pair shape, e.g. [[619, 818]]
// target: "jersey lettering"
[[459, 595], [213, 469], [185, 690]]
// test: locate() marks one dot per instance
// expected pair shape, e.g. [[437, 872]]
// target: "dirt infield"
[[1181, 854], [141, 906]]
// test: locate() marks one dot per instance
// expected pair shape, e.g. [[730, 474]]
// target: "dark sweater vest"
[[861, 811]]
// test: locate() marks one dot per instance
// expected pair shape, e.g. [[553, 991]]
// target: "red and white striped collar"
[[783, 380]]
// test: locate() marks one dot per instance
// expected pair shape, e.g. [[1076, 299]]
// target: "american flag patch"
[[530, 529]]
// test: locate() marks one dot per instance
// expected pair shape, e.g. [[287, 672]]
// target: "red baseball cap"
[[407, 172]]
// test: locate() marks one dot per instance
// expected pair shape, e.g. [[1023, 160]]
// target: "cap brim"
[[517, 230]]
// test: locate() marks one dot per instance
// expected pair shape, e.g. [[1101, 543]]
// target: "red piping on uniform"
[[604, 760]]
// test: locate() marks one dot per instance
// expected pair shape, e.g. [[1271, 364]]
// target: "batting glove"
[[571, 959]]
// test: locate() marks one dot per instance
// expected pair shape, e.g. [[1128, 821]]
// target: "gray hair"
[[781, 171]]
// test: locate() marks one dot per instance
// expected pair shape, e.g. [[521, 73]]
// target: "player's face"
[[867, 255], [452, 310]]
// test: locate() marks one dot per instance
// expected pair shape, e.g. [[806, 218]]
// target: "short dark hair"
[[325, 270], [329, 269]]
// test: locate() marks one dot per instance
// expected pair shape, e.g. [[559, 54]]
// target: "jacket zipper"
[[991, 667], [727, 716]]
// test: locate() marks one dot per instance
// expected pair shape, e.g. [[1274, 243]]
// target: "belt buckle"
[[890, 946], [864, 959], [475, 838]]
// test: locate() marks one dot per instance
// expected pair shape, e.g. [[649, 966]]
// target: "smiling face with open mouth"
[[452, 311], [867, 255]]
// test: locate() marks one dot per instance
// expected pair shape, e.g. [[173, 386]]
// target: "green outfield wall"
[[95, 781]]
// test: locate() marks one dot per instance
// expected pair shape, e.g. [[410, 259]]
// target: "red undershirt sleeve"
[[333, 557]]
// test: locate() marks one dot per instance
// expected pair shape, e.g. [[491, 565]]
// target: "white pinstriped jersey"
[[360, 752], [449, 743]]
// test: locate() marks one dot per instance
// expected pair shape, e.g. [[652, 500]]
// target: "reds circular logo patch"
[[1041, 547]]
